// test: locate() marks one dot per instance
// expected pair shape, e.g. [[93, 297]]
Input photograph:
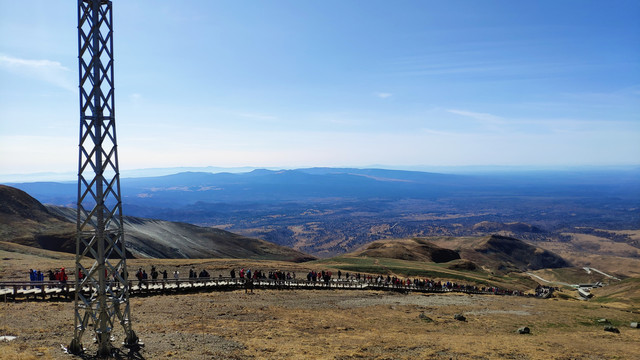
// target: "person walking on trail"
[[154, 273], [63, 276]]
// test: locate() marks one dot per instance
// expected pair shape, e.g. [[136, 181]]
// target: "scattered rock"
[[344, 328], [524, 330], [459, 317], [635, 325], [612, 329], [424, 317]]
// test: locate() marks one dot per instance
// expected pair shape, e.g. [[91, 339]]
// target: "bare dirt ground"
[[337, 324], [323, 324]]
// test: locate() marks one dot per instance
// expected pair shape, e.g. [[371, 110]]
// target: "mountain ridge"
[[330, 211], [25, 221], [501, 254], [407, 249], [493, 253]]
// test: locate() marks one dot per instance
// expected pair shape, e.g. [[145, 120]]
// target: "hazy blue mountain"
[[328, 211], [325, 183]]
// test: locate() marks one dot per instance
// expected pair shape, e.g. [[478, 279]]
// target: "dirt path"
[[549, 281]]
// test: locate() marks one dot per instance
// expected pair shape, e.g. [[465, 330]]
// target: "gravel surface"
[[333, 324]]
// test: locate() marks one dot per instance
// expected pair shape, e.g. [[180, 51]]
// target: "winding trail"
[[549, 281], [589, 269]]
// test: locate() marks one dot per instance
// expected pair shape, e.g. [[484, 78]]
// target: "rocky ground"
[[337, 324]]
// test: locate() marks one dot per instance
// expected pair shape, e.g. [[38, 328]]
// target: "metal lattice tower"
[[102, 295]]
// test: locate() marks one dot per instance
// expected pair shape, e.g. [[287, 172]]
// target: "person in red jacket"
[[63, 276]]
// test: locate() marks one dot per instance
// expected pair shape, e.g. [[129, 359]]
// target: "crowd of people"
[[379, 280], [52, 275], [327, 277], [261, 275], [143, 277]]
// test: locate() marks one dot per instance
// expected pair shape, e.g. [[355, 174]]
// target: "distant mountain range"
[[325, 183], [26, 224], [329, 211], [25, 221]]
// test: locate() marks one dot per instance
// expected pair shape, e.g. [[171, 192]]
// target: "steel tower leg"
[[102, 295]]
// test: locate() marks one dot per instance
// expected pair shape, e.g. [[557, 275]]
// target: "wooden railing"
[[55, 290]]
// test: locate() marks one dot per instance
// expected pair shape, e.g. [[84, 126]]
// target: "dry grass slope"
[[407, 249], [338, 325]]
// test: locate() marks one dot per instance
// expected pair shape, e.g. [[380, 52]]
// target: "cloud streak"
[[493, 122], [48, 71], [383, 95]]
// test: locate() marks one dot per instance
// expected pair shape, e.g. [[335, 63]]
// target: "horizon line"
[[452, 169]]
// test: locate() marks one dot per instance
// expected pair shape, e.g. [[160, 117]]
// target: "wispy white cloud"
[[545, 125], [52, 72], [482, 117], [383, 95], [135, 99]]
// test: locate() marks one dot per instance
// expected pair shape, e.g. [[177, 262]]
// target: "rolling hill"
[[407, 249], [25, 221], [501, 254], [494, 253]]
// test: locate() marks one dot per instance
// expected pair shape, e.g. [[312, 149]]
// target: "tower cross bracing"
[[102, 294]]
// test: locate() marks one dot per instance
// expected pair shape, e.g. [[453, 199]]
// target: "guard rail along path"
[[55, 290]]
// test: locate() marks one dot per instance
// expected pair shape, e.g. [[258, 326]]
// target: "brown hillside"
[[17, 204], [624, 294], [408, 249], [501, 253], [24, 221]]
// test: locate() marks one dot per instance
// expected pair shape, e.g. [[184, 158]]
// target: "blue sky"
[[332, 83]]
